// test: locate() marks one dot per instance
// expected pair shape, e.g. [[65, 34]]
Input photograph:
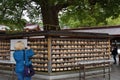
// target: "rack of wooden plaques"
[[4, 50], [4, 53], [61, 53], [40, 59], [66, 52]]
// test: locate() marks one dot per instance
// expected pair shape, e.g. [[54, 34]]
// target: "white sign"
[[118, 51], [12, 44]]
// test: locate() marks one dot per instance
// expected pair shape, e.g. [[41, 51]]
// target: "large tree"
[[11, 11]]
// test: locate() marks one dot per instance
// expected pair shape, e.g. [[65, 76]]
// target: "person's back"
[[114, 52], [22, 55]]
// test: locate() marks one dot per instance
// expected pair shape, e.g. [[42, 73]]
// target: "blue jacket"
[[19, 58]]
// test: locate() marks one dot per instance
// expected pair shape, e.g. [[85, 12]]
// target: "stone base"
[[44, 76], [69, 76]]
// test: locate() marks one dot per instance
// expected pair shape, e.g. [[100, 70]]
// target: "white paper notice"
[[12, 44]]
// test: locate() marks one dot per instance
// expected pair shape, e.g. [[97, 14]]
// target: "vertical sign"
[[12, 44]]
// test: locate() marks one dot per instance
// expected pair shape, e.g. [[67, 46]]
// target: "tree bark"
[[50, 17], [50, 14]]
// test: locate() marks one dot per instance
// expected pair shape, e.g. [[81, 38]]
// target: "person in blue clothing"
[[19, 59]]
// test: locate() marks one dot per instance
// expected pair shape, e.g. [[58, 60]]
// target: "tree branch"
[[61, 6], [64, 5]]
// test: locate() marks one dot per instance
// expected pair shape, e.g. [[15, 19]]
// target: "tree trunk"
[[50, 17]]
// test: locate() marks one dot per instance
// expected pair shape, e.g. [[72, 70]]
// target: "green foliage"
[[13, 25], [112, 21], [12, 12], [74, 13], [55, 2], [90, 13]]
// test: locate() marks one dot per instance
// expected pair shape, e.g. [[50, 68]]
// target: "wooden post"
[[109, 62], [119, 58], [49, 55]]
